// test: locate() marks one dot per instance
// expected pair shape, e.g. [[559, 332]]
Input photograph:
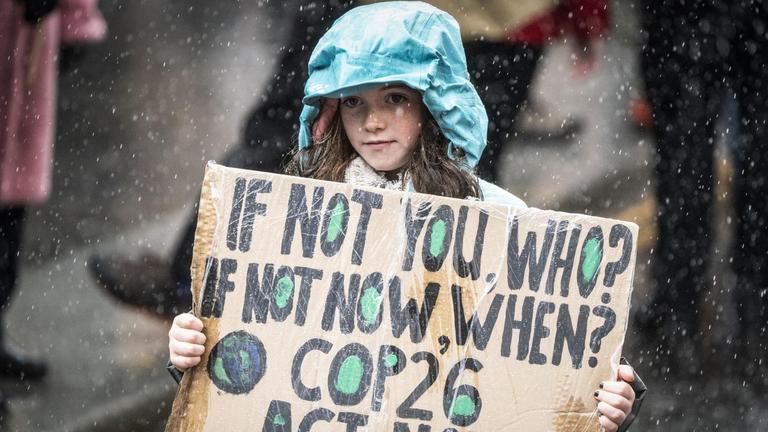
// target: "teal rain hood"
[[405, 42]]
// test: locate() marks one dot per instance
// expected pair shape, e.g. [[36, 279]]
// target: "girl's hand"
[[616, 399], [185, 341]]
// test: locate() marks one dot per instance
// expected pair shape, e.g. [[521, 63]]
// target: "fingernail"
[[597, 393], [601, 385]]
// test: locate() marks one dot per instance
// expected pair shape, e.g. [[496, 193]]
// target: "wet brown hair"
[[430, 168]]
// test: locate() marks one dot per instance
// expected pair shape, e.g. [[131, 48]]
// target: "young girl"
[[388, 103]]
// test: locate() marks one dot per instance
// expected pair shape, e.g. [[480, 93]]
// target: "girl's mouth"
[[381, 143]]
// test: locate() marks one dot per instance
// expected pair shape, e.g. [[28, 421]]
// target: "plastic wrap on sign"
[[331, 307]]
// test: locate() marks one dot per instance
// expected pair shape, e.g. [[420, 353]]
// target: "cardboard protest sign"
[[331, 307]]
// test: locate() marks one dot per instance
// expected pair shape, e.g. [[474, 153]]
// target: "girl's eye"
[[351, 102], [396, 98]]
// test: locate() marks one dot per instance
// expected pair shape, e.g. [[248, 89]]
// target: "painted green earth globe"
[[237, 362]]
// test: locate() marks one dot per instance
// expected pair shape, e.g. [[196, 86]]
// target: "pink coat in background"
[[28, 87]]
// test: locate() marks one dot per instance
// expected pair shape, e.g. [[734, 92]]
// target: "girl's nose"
[[373, 122]]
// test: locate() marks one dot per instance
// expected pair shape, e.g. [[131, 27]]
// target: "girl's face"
[[383, 125]]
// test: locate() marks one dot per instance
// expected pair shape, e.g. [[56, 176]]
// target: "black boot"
[[15, 364], [12, 362], [145, 283]]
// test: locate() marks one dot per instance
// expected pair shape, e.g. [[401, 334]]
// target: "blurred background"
[[173, 84]]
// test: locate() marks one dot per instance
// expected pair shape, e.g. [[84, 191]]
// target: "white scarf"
[[358, 172]]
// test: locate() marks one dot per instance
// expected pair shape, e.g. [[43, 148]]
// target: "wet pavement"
[[104, 360], [169, 90]]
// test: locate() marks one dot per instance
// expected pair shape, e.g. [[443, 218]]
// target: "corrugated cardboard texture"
[[331, 307]]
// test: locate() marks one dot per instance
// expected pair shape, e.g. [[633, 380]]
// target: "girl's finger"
[[186, 349], [615, 400], [608, 425], [620, 388], [181, 362], [184, 335], [613, 413], [626, 373], [188, 321]]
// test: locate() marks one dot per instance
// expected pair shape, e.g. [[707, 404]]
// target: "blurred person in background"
[[32, 34], [694, 52], [161, 286], [503, 41]]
